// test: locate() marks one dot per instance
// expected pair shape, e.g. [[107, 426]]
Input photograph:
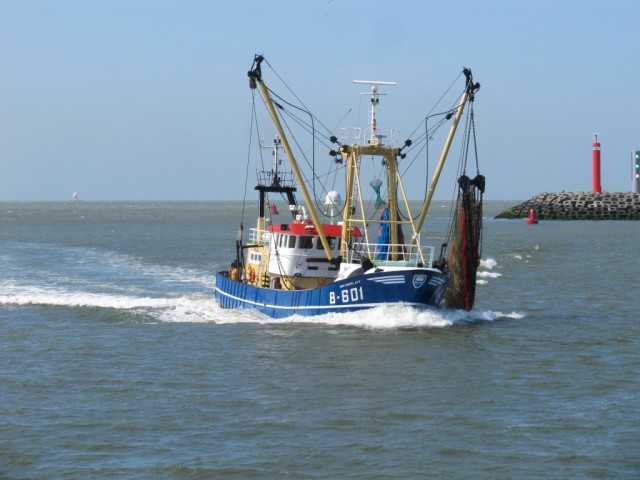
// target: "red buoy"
[[532, 219], [597, 188]]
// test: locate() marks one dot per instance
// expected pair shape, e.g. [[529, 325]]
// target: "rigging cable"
[[296, 97], [239, 251], [246, 175], [310, 128], [311, 165], [437, 103]]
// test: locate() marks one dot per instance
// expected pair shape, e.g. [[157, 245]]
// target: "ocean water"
[[117, 362]]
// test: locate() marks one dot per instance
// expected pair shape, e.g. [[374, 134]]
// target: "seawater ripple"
[[118, 363]]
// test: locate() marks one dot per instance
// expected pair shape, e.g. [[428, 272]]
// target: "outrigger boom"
[[255, 77], [468, 94]]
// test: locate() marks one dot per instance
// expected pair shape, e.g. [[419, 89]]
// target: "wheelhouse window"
[[285, 240], [306, 242], [332, 241]]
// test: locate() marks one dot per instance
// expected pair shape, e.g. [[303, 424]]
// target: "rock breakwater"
[[579, 206]]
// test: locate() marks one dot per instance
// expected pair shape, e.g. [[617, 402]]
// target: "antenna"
[[375, 139], [275, 174]]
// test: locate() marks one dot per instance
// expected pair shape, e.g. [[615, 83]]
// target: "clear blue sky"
[[149, 99]]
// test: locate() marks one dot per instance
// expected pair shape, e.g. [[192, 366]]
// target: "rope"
[[246, 175]]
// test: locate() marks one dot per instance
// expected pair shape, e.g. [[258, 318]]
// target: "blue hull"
[[417, 287]]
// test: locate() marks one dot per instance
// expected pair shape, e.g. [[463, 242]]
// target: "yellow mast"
[[471, 88], [255, 76], [352, 158], [391, 162], [351, 153]]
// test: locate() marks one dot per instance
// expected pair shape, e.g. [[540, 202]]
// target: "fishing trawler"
[[311, 264]]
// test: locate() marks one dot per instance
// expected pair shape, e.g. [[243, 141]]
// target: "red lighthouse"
[[597, 187]]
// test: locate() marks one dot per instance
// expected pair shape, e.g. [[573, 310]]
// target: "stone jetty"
[[579, 206]]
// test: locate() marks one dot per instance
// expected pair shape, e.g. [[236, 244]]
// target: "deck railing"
[[383, 254], [259, 237], [276, 179], [406, 255], [359, 136]]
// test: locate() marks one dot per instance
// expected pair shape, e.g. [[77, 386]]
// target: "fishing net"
[[465, 244], [376, 183]]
